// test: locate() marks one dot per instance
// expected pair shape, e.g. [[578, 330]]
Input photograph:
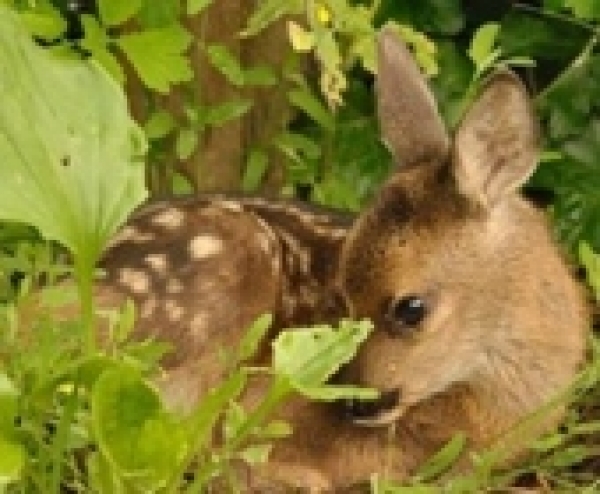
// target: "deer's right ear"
[[410, 122], [496, 146]]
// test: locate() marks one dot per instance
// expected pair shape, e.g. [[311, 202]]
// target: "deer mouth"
[[371, 413]]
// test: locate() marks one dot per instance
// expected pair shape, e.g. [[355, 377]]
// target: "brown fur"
[[505, 325]]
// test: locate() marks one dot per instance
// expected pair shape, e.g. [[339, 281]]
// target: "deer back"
[[202, 270]]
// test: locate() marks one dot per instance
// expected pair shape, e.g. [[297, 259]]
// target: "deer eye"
[[405, 314]]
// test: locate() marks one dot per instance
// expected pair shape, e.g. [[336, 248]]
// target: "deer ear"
[[496, 144], [410, 122]]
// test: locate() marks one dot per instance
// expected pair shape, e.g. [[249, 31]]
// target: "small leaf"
[[308, 357], [235, 416], [591, 262], [482, 44], [269, 11], [181, 185], [261, 75], [186, 143], [302, 40], [160, 124], [220, 114], [8, 405], [424, 49], [12, 461], [253, 337], [158, 56], [208, 411], [443, 459], [256, 454], [276, 430], [115, 12], [225, 62], [256, 167], [195, 7], [305, 101]]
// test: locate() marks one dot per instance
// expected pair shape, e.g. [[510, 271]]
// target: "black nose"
[[353, 409]]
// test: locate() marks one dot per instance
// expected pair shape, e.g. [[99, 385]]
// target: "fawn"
[[478, 320]]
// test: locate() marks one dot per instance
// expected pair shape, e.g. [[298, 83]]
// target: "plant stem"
[[84, 274]]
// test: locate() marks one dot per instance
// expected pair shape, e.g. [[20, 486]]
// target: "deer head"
[[459, 274]]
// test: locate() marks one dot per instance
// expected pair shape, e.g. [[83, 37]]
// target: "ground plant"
[[107, 103]]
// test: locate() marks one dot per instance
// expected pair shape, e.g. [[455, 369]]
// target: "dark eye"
[[406, 313]]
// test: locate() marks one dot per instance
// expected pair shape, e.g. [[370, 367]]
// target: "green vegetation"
[[73, 170]]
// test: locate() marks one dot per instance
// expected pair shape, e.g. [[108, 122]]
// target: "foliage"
[[70, 415]]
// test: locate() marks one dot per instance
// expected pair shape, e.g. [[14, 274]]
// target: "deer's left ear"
[[496, 145], [410, 122]]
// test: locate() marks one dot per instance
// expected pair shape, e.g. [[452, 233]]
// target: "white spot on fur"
[[148, 308], [137, 281], [158, 262], [198, 326], [174, 310], [204, 246], [174, 286], [231, 206], [171, 218]]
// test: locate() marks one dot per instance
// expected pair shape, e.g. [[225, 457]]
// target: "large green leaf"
[[71, 156]]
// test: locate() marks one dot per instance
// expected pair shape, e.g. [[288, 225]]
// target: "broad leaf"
[[71, 154], [158, 56], [309, 357]]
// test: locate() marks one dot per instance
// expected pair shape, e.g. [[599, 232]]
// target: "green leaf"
[[158, 56], [260, 75], [96, 41], [194, 7], [160, 124], [254, 336], [160, 14], [12, 461], [186, 143], [275, 430], [309, 357], [483, 42], [44, 21], [302, 40], [305, 101], [584, 9], [443, 460], [256, 167], [225, 62], [220, 114], [115, 12], [9, 396], [133, 430], [591, 262], [256, 454], [269, 11], [181, 185], [202, 421], [424, 49], [71, 154]]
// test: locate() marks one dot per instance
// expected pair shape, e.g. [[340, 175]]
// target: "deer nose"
[[354, 409]]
